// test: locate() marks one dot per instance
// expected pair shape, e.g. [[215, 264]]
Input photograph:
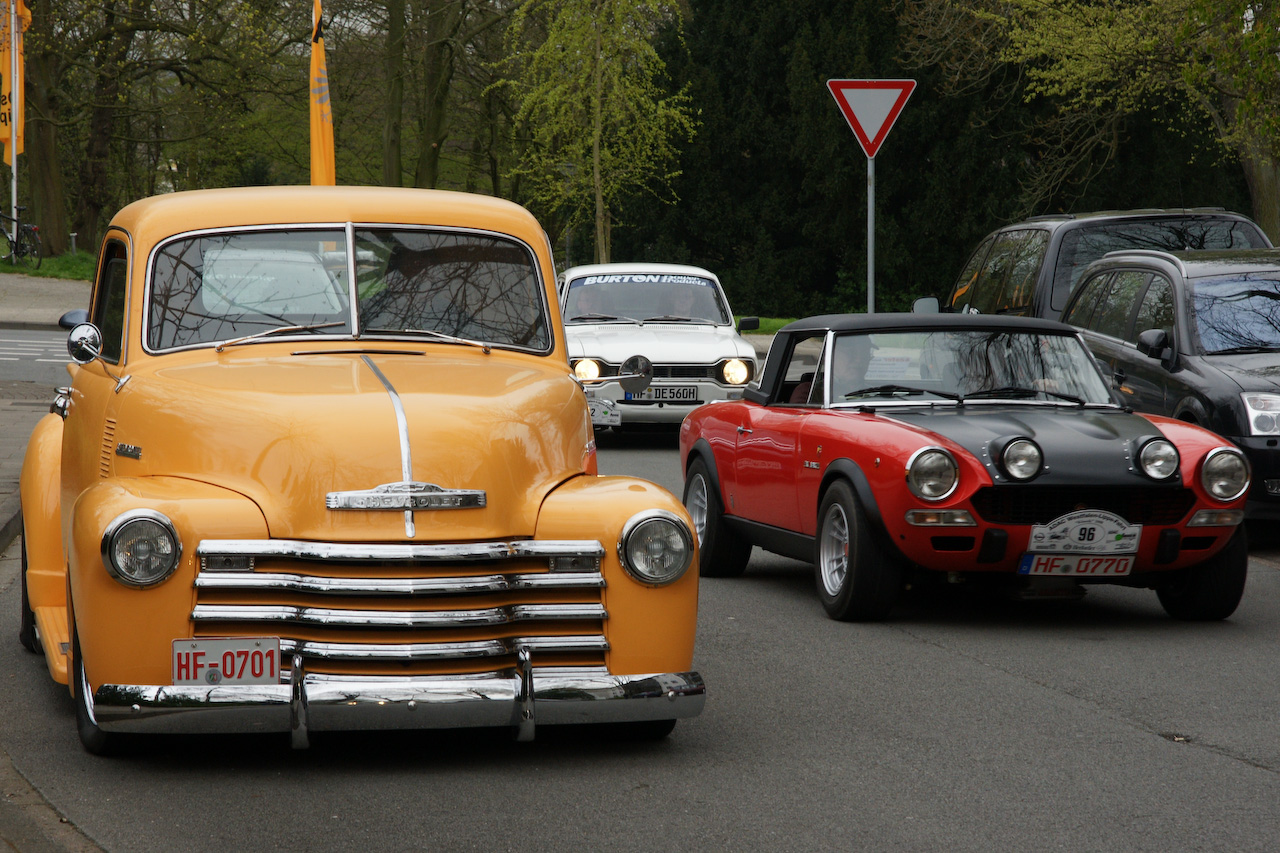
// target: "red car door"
[[765, 466]]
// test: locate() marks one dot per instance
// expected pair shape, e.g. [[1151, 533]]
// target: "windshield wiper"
[[279, 330], [890, 390], [1017, 392], [1244, 350], [441, 336], [594, 316]]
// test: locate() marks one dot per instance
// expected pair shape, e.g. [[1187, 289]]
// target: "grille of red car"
[[1030, 504], [407, 610]]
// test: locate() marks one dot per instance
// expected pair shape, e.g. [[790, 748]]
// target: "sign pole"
[[871, 235], [871, 107]]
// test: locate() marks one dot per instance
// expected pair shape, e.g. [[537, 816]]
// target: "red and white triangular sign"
[[871, 107]]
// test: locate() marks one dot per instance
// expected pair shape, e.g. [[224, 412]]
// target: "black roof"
[[922, 322]]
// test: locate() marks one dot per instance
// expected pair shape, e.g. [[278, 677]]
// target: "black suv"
[[1195, 336], [1031, 267]]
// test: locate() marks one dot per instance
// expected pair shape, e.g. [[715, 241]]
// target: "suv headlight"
[[656, 547], [1159, 459], [141, 548], [1225, 473], [932, 474], [1263, 413], [735, 371]]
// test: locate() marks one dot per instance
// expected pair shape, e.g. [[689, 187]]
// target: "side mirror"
[[84, 344], [748, 324], [635, 374], [925, 305], [73, 318], [1154, 343]]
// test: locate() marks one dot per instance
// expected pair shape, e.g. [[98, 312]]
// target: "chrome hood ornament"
[[406, 497]]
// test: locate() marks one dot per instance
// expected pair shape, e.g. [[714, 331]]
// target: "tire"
[[856, 580], [92, 738], [27, 629], [721, 554], [35, 249], [1211, 590]]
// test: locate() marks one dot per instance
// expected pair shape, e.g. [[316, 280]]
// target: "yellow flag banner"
[[11, 134], [322, 166]]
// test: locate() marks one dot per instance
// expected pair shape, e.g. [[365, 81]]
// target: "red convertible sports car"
[[886, 445]]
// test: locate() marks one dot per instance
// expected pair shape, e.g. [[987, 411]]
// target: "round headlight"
[[586, 370], [1022, 459], [656, 547], [1159, 459], [736, 372], [1225, 473], [932, 474], [141, 548]]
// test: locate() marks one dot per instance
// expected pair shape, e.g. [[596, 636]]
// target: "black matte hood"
[[1080, 446]]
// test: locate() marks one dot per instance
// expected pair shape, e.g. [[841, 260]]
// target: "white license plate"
[[1075, 565], [250, 660], [664, 393]]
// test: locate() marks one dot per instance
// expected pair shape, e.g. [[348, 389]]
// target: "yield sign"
[[871, 107]]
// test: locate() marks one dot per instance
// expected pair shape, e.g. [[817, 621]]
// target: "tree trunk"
[[393, 121], [44, 175], [1262, 174], [443, 24]]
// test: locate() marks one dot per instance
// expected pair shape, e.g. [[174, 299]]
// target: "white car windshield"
[[247, 285], [643, 298], [968, 365]]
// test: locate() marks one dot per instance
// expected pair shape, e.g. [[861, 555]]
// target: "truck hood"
[[288, 430], [661, 343]]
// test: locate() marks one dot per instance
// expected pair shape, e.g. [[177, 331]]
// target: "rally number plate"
[[1075, 565], [604, 412], [668, 393], [250, 660], [1087, 531]]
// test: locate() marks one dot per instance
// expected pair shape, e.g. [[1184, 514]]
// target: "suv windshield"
[[1084, 245], [636, 298], [990, 365], [1237, 312], [236, 285]]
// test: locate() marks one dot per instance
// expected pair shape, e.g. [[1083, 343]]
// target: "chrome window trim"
[[348, 228]]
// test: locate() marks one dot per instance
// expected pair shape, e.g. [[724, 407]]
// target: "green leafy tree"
[[593, 115]]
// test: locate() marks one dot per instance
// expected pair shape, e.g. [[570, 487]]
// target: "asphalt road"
[[962, 723]]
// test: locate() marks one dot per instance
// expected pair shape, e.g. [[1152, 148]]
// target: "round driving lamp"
[[1022, 459], [1159, 459], [932, 474], [586, 370], [140, 548], [656, 547], [735, 372], [1225, 473]]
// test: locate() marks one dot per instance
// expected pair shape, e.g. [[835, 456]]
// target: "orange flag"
[[322, 167], [11, 43]]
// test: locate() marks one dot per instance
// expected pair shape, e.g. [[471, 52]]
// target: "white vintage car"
[[626, 318]]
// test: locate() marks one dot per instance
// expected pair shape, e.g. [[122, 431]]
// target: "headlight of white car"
[[1263, 412], [735, 371], [586, 369]]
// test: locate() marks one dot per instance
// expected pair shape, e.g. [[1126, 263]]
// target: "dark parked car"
[[1031, 267], [1196, 336]]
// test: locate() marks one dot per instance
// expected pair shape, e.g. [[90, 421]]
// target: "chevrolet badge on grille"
[[406, 496]]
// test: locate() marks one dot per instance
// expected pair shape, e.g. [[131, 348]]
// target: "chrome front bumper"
[[520, 698]]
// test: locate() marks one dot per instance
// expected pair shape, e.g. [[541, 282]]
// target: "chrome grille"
[[355, 609]]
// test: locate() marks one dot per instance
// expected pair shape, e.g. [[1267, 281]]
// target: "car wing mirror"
[[73, 318], [1155, 344], [84, 344], [748, 324], [925, 305]]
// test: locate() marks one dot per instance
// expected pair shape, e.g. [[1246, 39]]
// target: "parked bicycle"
[[24, 241]]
